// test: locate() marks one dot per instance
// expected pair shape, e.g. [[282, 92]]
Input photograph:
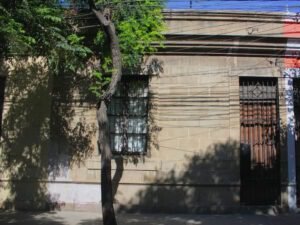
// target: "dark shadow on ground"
[[64, 218], [180, 219], [19, 218], [92, 222], [209, 220]]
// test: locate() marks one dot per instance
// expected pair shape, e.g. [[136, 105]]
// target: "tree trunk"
[[108, 213]]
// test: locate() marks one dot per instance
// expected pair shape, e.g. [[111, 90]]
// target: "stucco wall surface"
[[192, 163]]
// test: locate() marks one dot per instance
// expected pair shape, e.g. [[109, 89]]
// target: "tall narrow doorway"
[[296, 91], [259, 138]]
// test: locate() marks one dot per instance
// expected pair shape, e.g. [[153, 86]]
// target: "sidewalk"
[[84, 218]]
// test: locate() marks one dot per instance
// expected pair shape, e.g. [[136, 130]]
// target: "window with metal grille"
[[128, 112]]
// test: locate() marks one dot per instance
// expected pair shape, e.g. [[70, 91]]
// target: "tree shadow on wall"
[[206, 183], [40, 134], [151, 68]]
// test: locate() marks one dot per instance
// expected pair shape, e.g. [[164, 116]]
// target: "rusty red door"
[[259, 138]]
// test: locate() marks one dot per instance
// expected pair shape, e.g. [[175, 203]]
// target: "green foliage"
[[100, 82], [39, 28], [69, 54], [138, 24], [13, 37], [18, 17], [137, 35]]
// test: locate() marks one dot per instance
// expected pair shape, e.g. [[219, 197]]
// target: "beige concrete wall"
[[25, 129], [192, 159], [220, 23]]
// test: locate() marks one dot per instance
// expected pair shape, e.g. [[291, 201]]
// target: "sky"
[[292, 6]]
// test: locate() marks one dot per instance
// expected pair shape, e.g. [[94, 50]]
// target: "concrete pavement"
[[85, 218]]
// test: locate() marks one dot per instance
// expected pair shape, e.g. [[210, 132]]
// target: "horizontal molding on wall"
[[224, 16], [225, 45]]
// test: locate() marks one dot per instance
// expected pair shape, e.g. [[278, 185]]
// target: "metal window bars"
[[128, 113]]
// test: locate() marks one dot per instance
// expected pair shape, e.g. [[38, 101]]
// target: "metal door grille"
[[296, 88], [2, 87], [260, 183]]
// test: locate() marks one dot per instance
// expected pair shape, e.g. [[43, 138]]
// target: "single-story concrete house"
[[212, 124]]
